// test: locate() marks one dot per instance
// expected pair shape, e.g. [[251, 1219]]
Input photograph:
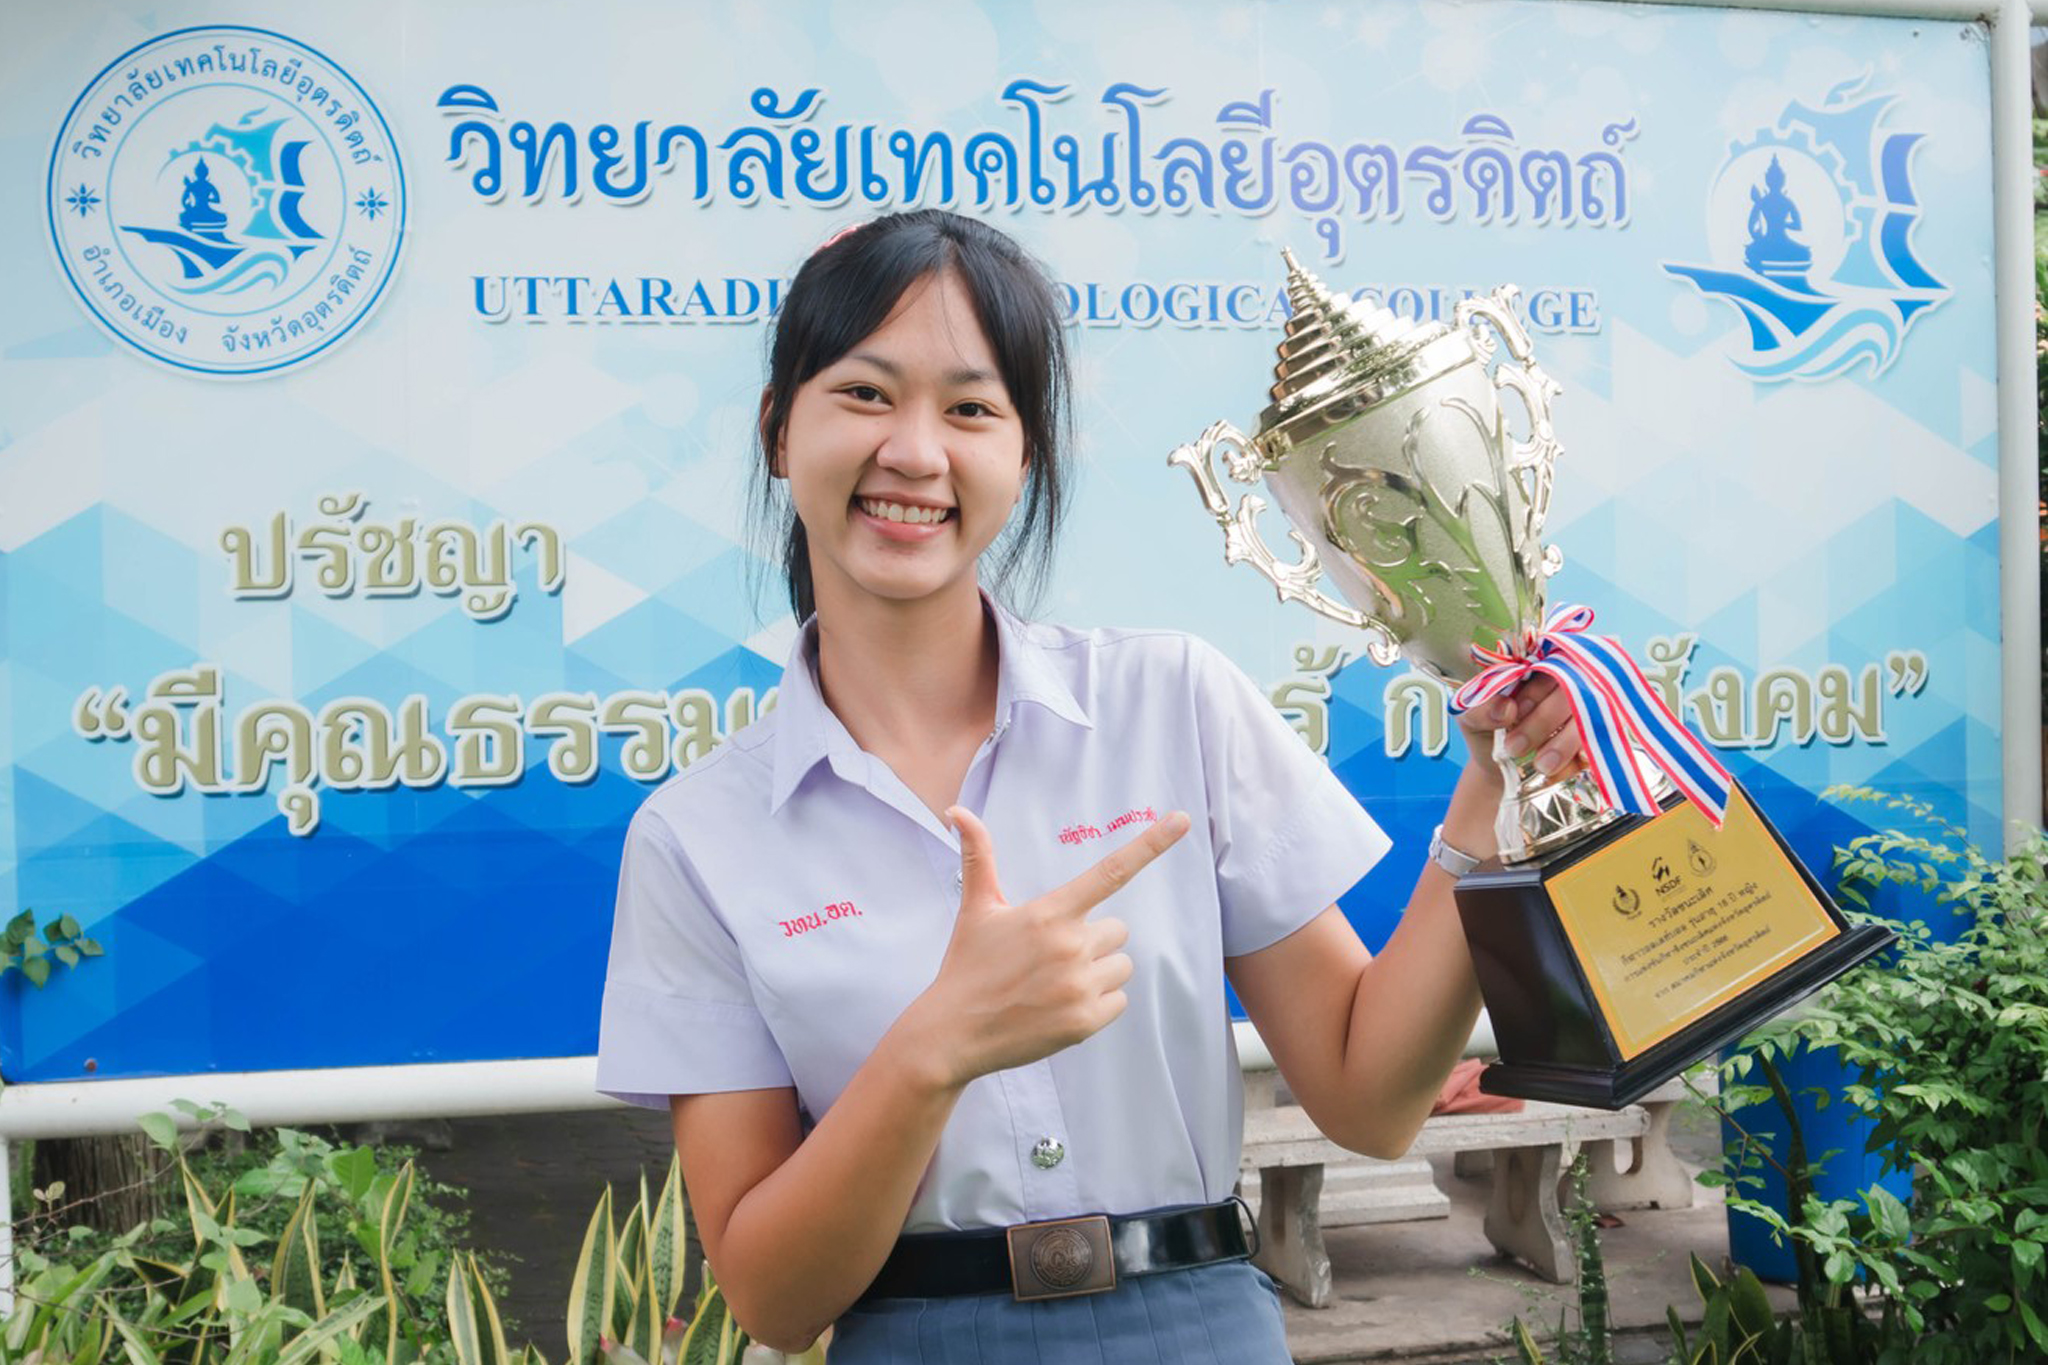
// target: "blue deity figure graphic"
[[271, 230], [1773, 217], [200, 203]]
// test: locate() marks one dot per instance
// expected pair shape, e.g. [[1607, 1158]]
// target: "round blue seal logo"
[[226, 200]]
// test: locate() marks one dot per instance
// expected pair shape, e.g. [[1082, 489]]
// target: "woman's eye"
[[974, 408], [863, 393]]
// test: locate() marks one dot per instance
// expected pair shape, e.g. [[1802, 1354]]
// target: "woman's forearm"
[[1416, 1001], [801, 1245]]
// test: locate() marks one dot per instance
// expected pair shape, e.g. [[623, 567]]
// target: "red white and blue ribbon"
[[1613, 704]]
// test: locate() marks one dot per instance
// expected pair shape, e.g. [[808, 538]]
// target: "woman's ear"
[[771, 441]]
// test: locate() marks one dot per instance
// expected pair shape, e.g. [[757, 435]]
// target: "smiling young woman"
[[968, 1114]]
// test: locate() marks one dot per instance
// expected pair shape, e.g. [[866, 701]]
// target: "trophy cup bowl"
[[1613, 950]]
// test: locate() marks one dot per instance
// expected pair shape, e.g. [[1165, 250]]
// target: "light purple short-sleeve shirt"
[[785, 898]]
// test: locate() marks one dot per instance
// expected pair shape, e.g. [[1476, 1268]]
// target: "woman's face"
[[905, 455]]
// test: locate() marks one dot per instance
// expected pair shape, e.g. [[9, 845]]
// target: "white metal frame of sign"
[[548, 1085]]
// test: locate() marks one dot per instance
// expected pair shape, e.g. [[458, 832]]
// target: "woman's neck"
[[909, 676]]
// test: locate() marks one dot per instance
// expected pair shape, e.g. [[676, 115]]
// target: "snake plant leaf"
[[643, 1331], [231, 1237], [1703, 1279], [132, 1343], [1679, 1340], [92, 1347], [493, 1327], [199, 1207], [344, 1321], [704, 1343], [474, 1331], [594, 1284], [464, 1335], [1749, 1304], [295, 1268], [43, 1308], [630, 1232], [390, 1218], [667, 1233]]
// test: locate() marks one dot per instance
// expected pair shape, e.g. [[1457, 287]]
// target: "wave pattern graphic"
[[254, 268], [1854, 336]]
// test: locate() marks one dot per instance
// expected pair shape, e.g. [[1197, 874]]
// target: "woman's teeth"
[[896, 511]]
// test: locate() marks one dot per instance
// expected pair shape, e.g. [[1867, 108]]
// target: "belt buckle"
[[1061, 1258]]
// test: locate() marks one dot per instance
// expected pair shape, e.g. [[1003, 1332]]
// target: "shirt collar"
[[806, 731]]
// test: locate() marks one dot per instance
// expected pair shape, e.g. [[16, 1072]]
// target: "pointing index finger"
[[1114, 872]]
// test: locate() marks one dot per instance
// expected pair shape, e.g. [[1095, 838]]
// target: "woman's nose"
[[914, 446]]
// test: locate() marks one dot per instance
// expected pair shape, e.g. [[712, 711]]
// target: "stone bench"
[[1298, 1181]]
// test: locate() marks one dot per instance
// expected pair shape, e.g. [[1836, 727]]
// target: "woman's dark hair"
[[844, 292]]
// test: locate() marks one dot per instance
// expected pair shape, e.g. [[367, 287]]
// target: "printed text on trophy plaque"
[[1677, 918]]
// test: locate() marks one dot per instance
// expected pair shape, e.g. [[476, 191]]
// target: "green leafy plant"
[[1949, 1041], [23, 950], [268, 1177], [1831, 1326], [1738, 1326], [221, 1300], [622, 1297], [1591, 1341]]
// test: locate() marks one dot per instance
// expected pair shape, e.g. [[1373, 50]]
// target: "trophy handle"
[[1529, 462], [1243, 543]]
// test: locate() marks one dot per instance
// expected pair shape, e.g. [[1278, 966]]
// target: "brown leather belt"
[[1062, 1257]]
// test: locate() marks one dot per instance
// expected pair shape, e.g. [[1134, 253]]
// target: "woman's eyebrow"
[[964, 376]]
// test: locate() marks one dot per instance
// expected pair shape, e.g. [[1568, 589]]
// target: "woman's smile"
[[900, 520]]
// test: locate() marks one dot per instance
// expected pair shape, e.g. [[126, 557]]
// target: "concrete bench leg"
[[1654, 1178], [1291, 1232], [1523, 1218]]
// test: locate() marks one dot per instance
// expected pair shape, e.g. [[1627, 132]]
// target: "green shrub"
[[227, 1292], [1950, 1045], [268, 1177]]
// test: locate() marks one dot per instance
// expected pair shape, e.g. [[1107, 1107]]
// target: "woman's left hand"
[[1536, 718]]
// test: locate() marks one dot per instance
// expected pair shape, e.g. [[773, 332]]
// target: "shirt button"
[[1048, 1153], [959, 881]]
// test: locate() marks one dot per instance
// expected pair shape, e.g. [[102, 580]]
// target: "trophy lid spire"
[[1333, 342]]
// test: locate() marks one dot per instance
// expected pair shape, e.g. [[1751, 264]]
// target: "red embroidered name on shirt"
[[1081, 834], [803, 924]]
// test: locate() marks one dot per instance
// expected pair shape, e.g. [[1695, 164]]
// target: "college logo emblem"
[[1809, 224], [226, 200]]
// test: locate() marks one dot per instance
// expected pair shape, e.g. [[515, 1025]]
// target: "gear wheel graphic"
[[1799, 140]]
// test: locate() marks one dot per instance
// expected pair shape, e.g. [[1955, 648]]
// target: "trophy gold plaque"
[[1641, 913]]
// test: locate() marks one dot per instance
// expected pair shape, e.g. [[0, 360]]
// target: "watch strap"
[[1455, 861]]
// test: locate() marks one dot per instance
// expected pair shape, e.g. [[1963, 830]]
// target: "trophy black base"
[[1561, 1039]]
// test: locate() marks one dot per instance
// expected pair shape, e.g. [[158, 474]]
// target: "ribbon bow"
[[1613, 704]]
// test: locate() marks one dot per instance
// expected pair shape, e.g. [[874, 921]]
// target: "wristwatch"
[[1455, 861]]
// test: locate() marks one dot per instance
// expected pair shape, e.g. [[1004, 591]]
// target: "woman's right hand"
[[1021, 982]]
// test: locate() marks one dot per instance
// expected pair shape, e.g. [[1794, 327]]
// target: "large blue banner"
[[376, 389]]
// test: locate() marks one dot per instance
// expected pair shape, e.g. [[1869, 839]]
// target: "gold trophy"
[[1613, 949]]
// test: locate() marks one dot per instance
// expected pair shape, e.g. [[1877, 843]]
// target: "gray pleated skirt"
[[1226, 1314]]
